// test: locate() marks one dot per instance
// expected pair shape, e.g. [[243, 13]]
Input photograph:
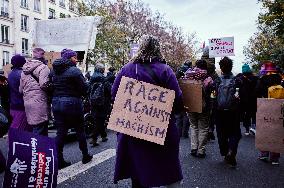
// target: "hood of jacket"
[[31, 65], [61, 65]]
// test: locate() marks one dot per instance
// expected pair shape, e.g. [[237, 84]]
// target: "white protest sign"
[[78, 33], [142, 110], [221, 47]]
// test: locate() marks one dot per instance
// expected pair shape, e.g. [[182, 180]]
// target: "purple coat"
[[16, 98], [35, 99], [149, 163]]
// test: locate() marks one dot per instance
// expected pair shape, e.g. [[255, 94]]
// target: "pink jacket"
[[35, 99]]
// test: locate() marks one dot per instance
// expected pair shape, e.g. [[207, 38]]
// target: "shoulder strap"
[[152, 73], [34, 77]]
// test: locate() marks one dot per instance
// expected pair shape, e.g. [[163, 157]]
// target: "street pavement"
[[208, 172]]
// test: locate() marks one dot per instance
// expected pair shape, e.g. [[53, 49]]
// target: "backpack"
[[226, 99], [97, 94]]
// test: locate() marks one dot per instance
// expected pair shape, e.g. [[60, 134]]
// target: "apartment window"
[[24, 23], [37, 5], [24, 3], [25, 46], [5, 34], [52, 1], [36, 19], [62, 3], [4, 4], [6, 58], [62, 15], [51, 14]]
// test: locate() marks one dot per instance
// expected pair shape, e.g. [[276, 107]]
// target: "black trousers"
[[99, 128], [248, 119], [68, 113], [228, 131]]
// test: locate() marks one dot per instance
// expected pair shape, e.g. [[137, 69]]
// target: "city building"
[[17, 17]]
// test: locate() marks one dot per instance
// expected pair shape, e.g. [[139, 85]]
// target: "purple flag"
[[32, 161]]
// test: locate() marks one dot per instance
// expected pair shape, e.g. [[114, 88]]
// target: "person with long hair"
[[146, 163]]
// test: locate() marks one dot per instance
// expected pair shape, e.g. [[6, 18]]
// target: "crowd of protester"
[[228, 101]]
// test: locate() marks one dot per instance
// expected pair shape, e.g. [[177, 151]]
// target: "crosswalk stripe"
[[79, 168]]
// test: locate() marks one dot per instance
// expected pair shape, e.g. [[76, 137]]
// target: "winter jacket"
[[16, 98], [96, 79], [68, 80], [247, 92], [35, 99], [265, 82]]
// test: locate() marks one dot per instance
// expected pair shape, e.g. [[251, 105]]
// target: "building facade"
[[17, 18]]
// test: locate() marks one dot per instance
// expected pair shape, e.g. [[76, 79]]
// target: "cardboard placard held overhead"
[[192, 94], [221, 47], [269, 125], [142, 110]]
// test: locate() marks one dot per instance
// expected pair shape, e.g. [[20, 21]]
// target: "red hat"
[[269, 66]]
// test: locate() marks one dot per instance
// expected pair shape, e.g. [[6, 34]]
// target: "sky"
[[213, 19]]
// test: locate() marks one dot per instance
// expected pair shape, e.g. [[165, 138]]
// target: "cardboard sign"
[[142, 110], [221, 47], [192, 94], [269, 125], [56, 34], [32, 161], [51, 57]]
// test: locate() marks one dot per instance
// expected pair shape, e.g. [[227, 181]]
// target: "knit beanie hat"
[[38, 53], [246, 68], [67, 54], [18, 60]]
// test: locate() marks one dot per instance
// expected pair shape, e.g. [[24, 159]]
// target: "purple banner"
[[32, 161]]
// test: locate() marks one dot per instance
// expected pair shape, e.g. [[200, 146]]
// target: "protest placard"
[[269, 125], [221, 47], [56, 34], [32, 161], [192, 94], [142, 110]]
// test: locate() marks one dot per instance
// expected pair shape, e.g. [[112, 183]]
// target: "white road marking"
[[79, 168]]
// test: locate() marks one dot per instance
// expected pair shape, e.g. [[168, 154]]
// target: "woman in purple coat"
[[149, 164], [17, 108]]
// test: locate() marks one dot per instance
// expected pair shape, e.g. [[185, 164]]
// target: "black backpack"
[[97, 94], [226, 99]]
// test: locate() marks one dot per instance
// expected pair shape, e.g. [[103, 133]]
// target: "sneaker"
[[87, 158], [275, 163], [63, 164], [95, 144], [193, 152], [104, 139], [201, 155], [247, 133], [252, 131], [263, 158]]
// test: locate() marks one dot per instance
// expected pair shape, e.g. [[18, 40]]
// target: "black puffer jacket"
[[68, 80]]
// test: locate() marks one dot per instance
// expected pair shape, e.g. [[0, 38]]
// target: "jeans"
[[68, 113], [228, 131], [182, 123], [41, 128], [274, 157], [199, 125]]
